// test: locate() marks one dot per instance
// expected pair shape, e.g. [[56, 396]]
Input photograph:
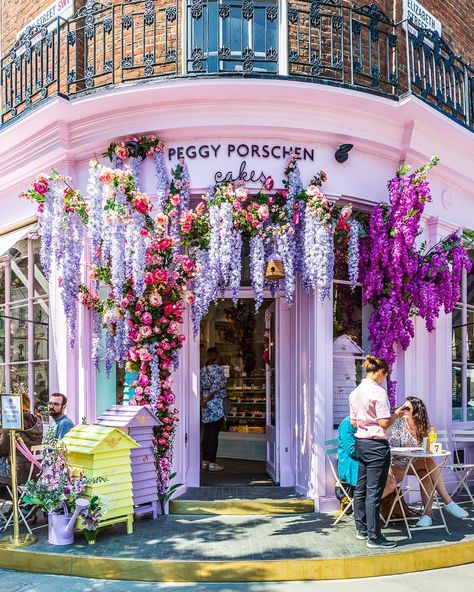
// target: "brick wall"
[[456, 16]]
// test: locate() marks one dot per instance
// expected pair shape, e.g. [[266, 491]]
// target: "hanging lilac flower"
[[139, 253], [325, 259], [70, 271], [57, 234], [214, 246], [109, 351], [235, 265], [226, 242], [46, 222], [96, 337], [136, 166], [122, 340], [162, 179], [295, 184], [353, 253], [184, 194], [257, 268], [309, 257], [95, 211], [117, 262], [285, 250], [117, 163], [203, 289]]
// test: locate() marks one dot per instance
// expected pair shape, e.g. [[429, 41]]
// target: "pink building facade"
[[231, 126]]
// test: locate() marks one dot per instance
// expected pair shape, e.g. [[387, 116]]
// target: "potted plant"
[[58, 493]]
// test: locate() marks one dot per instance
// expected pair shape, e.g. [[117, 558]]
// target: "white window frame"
[[6, 310]]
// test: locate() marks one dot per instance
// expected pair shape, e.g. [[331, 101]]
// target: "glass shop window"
[[24, 322]]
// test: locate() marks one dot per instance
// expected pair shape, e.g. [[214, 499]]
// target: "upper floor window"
[[463, 351], [24, 322], [232, 36]]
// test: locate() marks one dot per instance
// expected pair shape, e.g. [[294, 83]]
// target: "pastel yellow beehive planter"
[[101, 451]]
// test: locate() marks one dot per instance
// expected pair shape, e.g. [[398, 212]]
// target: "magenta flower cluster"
[[401, 280]]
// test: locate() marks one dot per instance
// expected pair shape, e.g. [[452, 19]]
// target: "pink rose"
[[174, 199], [121, 151], [189, 297], [143, 380], [269, 183], [160, 275], [149, 278], [138, 390], [241, 194], [346, 212], [263, 212], [155, 299], [41, 185], [147, 319], [161, 219], [106, 176], [187, 264], [165, 243], [145, 331], [145, 355]]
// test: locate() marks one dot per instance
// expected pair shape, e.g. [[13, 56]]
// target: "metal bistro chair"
[[331, 449], [34, 456], [462, 469]]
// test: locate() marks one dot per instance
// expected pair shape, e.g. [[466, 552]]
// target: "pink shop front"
[[289, 369]]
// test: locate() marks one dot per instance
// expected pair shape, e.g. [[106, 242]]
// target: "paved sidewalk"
[[246, 538], [455, 578]]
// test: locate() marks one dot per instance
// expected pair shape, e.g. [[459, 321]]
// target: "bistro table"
[[414, 454]]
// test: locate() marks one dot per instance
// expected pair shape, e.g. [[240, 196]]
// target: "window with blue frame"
[[239, 36]]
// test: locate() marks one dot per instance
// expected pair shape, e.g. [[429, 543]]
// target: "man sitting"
[[57, 410]]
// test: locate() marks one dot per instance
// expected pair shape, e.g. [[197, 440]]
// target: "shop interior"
[[242, 339]]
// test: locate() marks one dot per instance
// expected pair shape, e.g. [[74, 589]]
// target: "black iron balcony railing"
[[105, 45]]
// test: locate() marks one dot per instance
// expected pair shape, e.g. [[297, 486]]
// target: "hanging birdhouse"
[[274, 270]]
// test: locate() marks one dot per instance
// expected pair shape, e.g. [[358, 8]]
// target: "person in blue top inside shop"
[[213, 391], [57, 411]]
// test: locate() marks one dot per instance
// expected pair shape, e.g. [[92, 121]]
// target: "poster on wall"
[[12, 417]]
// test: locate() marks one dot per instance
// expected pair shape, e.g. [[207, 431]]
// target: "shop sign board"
[[12, 416], [417, 14], [231, 161], [62, 8]]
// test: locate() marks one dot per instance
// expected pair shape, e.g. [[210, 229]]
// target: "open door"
[[271, 394]]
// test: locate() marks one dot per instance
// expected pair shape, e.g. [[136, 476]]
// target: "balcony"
[[106, 45]]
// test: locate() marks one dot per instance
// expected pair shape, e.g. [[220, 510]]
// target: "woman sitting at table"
[[409, 431]]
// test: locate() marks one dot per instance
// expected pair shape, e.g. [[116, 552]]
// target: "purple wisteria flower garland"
[[162, 180], [257, 268], [353, 252], [400, 280]]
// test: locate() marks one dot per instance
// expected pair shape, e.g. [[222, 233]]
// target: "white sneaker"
[[424, 521], [215, 467], [456, 510]]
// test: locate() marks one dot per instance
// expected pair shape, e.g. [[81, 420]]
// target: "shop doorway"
[[246, 345]]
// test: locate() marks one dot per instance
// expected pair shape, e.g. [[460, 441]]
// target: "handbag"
[[227, 405]]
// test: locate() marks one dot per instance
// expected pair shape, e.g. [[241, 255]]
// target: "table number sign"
[[12, 416]]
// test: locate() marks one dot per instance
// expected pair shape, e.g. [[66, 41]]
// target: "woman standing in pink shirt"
[[370, 414]]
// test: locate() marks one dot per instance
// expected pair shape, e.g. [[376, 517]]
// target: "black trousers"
[[210, 439], [374, 464]]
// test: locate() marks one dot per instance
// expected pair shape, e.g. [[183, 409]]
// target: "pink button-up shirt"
[[368, 403]]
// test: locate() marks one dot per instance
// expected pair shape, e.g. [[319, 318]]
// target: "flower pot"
[[59, 530]]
